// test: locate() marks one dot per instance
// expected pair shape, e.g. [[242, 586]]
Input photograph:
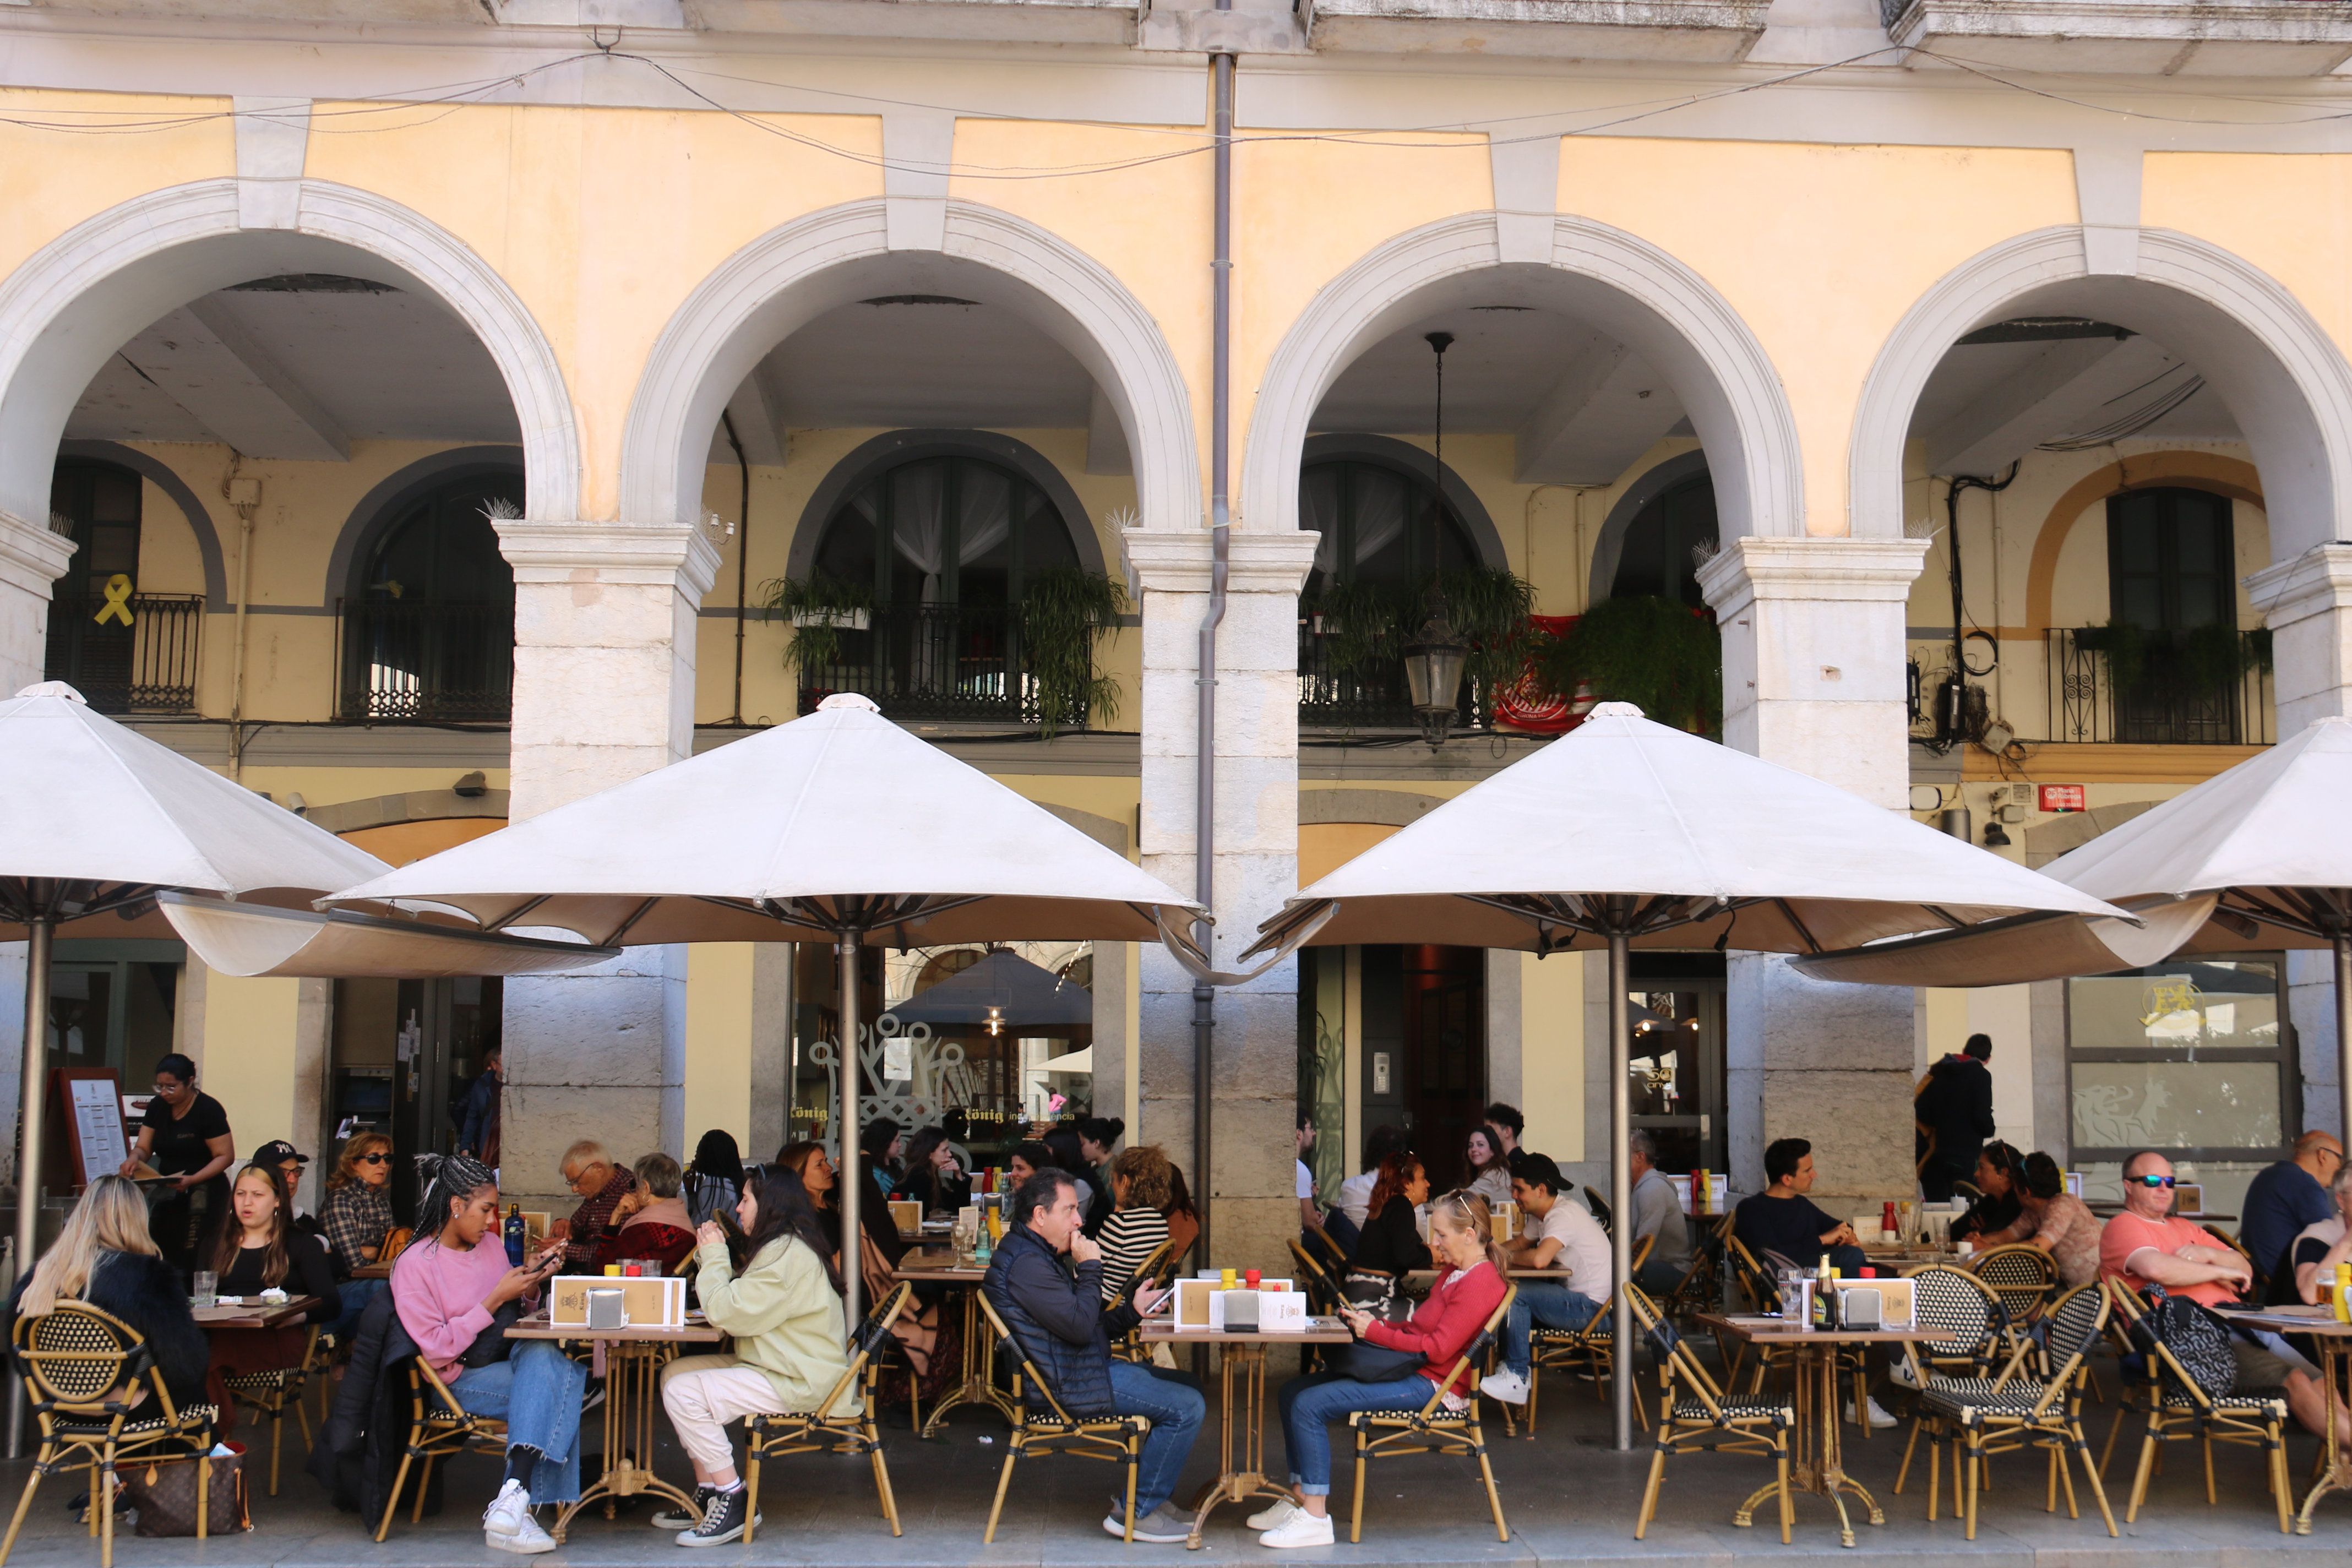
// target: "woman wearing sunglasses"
[[357, 1217]]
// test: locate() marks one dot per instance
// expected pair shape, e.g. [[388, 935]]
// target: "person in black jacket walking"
[[1055, 1309], [1953, 1110]]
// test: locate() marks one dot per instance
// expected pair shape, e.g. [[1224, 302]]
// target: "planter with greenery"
[[1063, 612], [1365, 625], [2200, 663], [820, 609], [1662, 657]]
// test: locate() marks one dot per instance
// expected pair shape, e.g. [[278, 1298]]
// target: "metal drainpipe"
[[742, 557], [1204, 837]]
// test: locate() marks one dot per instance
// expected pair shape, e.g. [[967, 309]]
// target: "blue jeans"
[[537, 1390], [1542, 1301], [1309, 1405], [1176, 1413], [355, 1295]]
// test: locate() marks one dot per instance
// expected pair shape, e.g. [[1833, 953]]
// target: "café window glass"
[[2189, 1056]]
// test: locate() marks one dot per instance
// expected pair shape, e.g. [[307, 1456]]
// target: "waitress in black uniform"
[[185, 1136]]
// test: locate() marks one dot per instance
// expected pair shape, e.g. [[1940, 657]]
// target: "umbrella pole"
[[29, 1109], [2343, 1033], [851, 1185], [1621, 1178]]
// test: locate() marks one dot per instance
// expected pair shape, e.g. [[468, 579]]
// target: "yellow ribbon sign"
[[118, 601]]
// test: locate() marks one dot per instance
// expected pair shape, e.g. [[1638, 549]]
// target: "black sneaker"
[[722, 1520], [674, 1519]]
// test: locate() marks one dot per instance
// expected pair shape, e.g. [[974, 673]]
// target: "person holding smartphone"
[[456, 1296]]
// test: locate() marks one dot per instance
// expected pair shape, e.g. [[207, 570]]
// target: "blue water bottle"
[[518, 1235]]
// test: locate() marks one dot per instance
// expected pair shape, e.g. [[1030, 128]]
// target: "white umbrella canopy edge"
[[667, 855], [2020, 949], [256, 941]]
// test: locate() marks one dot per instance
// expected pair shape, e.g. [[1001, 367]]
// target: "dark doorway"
[[1426, 1012], [404, 1053], [1677, 1090]]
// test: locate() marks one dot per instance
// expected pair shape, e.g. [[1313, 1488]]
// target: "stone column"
[[1257, 853], [2307, 603], [603, 691], [1813, 680]]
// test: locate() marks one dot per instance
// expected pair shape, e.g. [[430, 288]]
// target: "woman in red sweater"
[[1468, 1291]]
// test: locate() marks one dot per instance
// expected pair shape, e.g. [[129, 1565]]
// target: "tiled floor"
[[1568, 1496]]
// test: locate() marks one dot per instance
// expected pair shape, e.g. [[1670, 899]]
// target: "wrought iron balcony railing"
[[953, 663], [419, 661], [2208, 687], [1367, 695], [146, 667]]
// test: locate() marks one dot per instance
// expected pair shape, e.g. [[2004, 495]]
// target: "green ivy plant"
[[1063, 610], [1367, 624], [819, 607], [1654, 653]]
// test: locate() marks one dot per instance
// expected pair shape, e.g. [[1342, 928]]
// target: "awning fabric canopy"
[[1025, 997], [250, 940], [1723, 846], [763, 838]]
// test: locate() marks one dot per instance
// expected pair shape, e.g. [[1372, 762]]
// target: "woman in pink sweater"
[[1468, 1290], [448, 1287]]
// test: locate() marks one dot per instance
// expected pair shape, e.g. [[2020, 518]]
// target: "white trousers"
[[704, 1393]]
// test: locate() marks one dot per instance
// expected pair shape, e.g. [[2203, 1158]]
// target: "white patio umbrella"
[[2253, 856], [1626, 833], [839, 827]]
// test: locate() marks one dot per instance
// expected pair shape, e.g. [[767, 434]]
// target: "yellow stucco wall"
[[246, 1057], [53, 176]]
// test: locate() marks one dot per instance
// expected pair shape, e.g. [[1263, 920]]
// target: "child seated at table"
[[778, 1292], [457, 1296]]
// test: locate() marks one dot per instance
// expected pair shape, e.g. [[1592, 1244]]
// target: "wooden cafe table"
[[1243, 1354], [633, 1358], [976, 1381], [253, 1313], [1816, 1463], [2334, 1341]]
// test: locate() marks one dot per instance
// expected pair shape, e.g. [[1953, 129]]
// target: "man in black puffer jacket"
[[1055, 1310]]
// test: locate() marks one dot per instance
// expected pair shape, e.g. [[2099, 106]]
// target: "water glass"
[[206, 1287]]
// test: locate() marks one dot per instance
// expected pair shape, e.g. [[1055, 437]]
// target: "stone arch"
[[1624, 285], [1609, 546], [392, 495], [887, 451], [2185, 471], [1406, 458], [777, 283], [2286, 381], [81, 296]]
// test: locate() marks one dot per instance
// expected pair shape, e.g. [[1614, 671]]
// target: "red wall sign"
[[2062, 797]]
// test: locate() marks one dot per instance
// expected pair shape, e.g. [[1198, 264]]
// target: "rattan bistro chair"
[[2178, 1410], [1588, 1352], [1047, 1428], [99, 1400], [1131, 1345], [438, 1427], [273, 1393], [819, 1431], [1695, 1413], [1971, 1342], [1432, 1428], [2024, 1276], [1323, 1300], [2016, 1410]]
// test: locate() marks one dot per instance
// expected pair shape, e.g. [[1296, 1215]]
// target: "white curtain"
[[984, 511], [1319, 510], [1380, 512], [919, 521]]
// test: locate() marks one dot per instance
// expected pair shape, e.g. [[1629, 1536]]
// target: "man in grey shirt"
[[1657, 1211]]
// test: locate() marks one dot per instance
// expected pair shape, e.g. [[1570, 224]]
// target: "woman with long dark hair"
[[1391, 1245], [715, 1180], [456, 1295], [1488, 1174], [933, 1179], [260, 1249], [777, 1291]]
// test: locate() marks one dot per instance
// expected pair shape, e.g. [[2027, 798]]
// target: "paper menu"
[[98, 1122]]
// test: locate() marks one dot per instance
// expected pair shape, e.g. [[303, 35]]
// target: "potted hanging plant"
[[819, 608], [1664, 658], [1063, 610]]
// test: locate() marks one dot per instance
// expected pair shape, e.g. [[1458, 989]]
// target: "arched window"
[[951, 530], [428, 629], [1659, 556], [2171, 560], [1381, 524]]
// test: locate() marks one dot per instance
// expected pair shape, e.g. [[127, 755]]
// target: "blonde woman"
[[105, 1256], [1469, 1288]]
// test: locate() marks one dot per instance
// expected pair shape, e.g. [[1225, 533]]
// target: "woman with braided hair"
[[456, 1296]]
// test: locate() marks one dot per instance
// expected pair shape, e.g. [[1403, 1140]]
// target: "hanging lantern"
[[1434, 663]]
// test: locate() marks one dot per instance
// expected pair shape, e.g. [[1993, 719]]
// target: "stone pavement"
[[1567, 1497]]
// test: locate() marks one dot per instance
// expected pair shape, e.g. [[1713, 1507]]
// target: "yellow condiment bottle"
[[2343, 1293]]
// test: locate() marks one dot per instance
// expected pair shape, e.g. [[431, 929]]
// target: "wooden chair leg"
[[750, 1486], [1650, 1492], [1787, 1501], [102, 1500], [2091, 1473], [204, 1493], [2148, 1450], [1908, 1448], [1004, 1478], [1134, 1463], [1935, 1476], [392, 1503], [882, 1480], [1494, 1498], [424, 1484], [2278, 1473], [276, 1430], [23, 1506], [1356, 1513], [1974, 1468], [2205, 1441]]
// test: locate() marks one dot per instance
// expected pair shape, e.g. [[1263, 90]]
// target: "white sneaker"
[[1878, 1418], [507, 1524], [1506, 1386], [1274, 1515], [1902, 1376], [1304, 1530]]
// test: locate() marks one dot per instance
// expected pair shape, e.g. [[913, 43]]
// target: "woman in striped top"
[[1138, 1190]]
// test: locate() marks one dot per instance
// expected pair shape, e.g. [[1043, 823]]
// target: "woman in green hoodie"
[[784, 1311]]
